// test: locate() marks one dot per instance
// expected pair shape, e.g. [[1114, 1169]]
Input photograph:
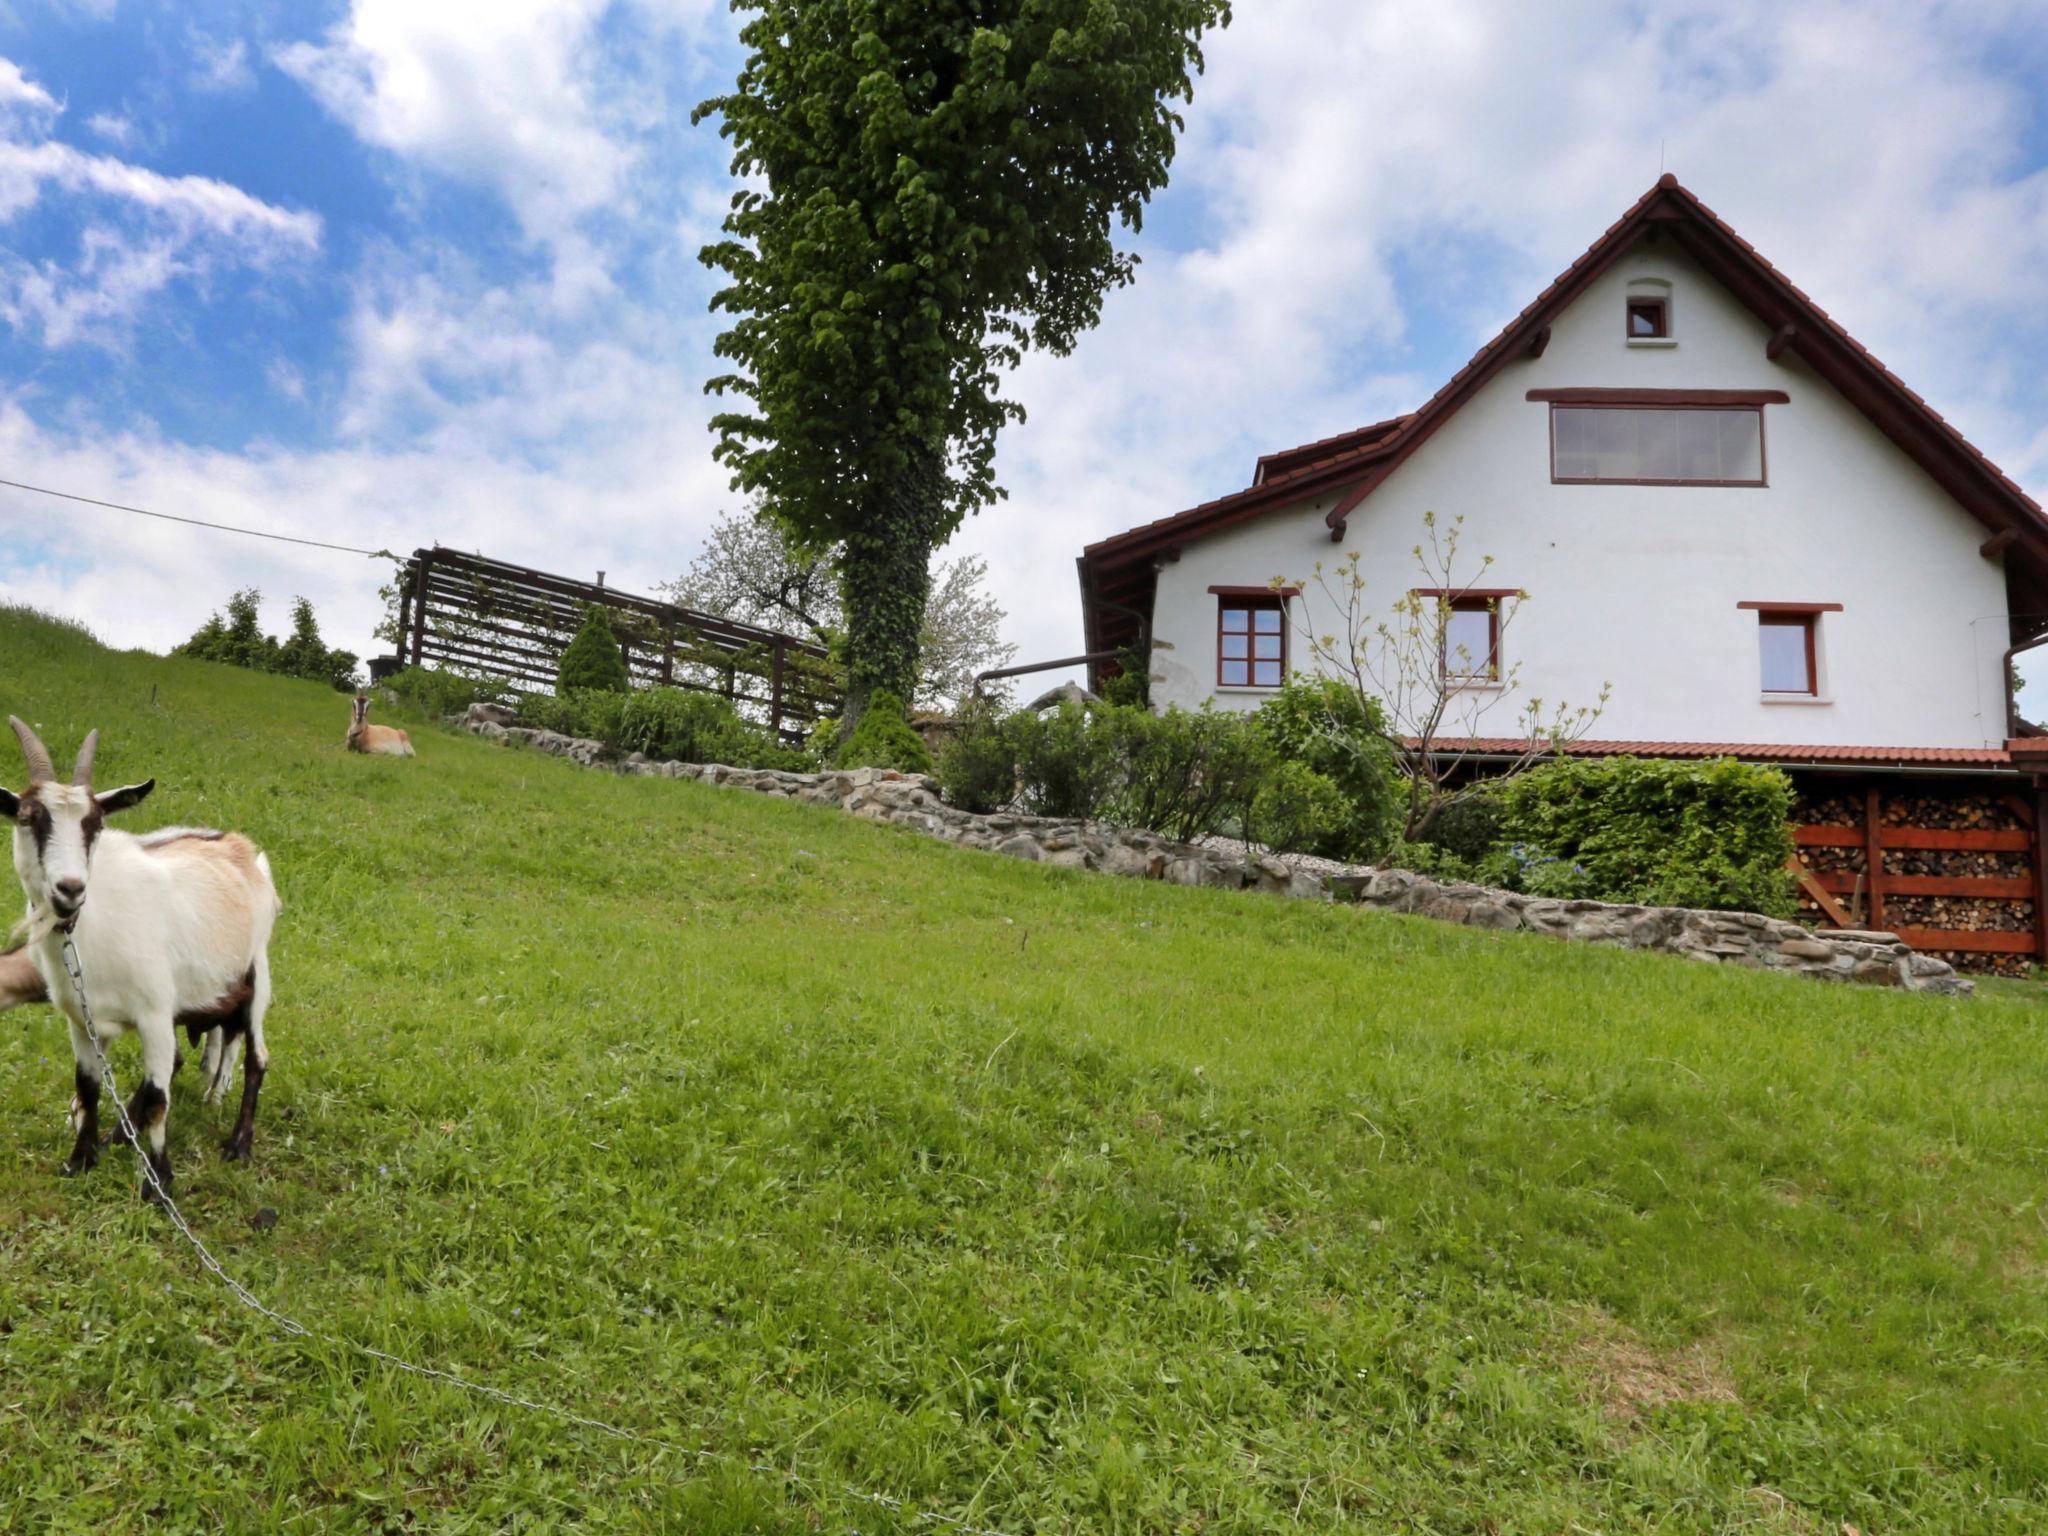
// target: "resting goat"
[[365, 737], [172, 928]]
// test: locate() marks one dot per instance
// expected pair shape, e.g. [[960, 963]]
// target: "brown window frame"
[[1470, 601], [1763, 448], [1250, 601], [1785, 616], [1628, 320]]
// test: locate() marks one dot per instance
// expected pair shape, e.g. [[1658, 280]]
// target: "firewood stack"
[[1928, 804]]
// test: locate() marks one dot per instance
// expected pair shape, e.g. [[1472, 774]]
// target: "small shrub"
[[1467, 825], [593, 661], [882, 738], [1714, 834], [440, 694], [1185, 774], [1326, 726], [675, 724], [978, 764], [1298, 810], [1065, 767]]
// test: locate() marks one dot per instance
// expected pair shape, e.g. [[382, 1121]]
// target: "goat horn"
[[40, 769], [82, 773]]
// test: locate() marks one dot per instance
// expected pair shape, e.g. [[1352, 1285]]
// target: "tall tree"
[[932, 187], [749, 571]]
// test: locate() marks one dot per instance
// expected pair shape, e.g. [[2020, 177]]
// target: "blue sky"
[[394, 271]]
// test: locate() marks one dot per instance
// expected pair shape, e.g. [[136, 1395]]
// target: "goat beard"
[[38, 925]]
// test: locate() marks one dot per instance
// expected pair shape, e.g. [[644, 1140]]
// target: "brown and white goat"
[[365, 737], [172, 928]]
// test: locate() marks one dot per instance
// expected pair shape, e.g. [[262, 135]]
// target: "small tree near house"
[[1420, 656]]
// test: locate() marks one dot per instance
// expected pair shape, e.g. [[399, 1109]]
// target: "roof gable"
[[1117, 573]]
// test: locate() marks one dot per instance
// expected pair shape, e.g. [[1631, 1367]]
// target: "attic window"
[[1649, 319]]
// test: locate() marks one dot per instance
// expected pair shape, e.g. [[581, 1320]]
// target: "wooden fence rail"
[[493, 619]]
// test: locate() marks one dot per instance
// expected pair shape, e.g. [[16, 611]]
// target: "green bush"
[[439, 694], [1713, 834], [1298, 810], [882, 738], [1184, 774], [1324, 725], [668, 724], [1467, 826], [978, 764], [593, 662], [1066, 765]]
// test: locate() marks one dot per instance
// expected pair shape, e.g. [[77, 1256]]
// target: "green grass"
[[1057, 1202]]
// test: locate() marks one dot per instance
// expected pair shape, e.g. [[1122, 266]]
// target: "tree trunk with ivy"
[[885, 580]]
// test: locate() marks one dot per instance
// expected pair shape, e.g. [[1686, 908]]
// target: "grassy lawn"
[[1051, 1201]]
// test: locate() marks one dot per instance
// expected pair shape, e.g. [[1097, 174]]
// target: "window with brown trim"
[[1471, 639], [1656, 444], [1786, 647], [1649, 319], [1251, 642]]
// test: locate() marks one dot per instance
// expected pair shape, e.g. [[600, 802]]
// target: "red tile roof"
[[1748, 751]]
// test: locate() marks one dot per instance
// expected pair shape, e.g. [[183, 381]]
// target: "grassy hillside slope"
[[1056, 1202]]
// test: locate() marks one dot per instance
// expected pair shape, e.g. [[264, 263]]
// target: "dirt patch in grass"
[[1630, 1378]]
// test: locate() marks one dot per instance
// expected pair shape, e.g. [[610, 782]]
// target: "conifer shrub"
[[883, 738], [593, 662]]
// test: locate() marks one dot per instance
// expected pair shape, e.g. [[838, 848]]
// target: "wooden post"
[[668, 654], [405, 580], [2035, 834], [1873, 855], [419, 606], [775, 687]]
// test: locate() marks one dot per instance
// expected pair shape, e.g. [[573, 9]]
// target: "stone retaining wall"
[[912, 800]]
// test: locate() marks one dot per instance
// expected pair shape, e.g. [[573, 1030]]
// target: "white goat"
[[172, 928], [365, 737]]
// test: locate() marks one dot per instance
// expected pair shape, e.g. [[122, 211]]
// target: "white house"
[[1720, 508]]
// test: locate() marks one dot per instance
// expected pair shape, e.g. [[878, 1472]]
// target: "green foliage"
[[1685, 834], [1467, 825], [438, 694], [1131, 684], [238, 640], [1298, 810], [1185, 773], [668, 724], [883, 738], [977, 768], [930, 189], [592, 662], [1324, 725], [1066, 764], [1031, 1196]]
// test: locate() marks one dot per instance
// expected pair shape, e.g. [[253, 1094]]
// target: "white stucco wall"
[[1636, 586]]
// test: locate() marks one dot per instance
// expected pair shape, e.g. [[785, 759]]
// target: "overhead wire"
[[200, 522]]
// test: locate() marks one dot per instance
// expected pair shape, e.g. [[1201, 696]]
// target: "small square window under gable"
[[1469, 636], [1646, 313]]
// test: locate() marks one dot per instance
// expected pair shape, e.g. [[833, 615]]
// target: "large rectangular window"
[[1251, 642], [1656, 445]]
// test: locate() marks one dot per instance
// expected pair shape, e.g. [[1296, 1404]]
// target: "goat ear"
[[127, 795], [10, 803]]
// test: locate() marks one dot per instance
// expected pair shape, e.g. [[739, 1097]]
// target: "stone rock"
[[1806, 949], [1022, 846]]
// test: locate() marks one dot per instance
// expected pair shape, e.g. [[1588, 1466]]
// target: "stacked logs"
[[1934, 805]]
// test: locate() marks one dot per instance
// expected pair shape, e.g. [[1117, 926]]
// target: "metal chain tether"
[[296, 1329]]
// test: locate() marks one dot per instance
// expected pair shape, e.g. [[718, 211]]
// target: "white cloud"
[[506, 96], [21, 99], [139, 230], [116, 130], [221, 68]]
